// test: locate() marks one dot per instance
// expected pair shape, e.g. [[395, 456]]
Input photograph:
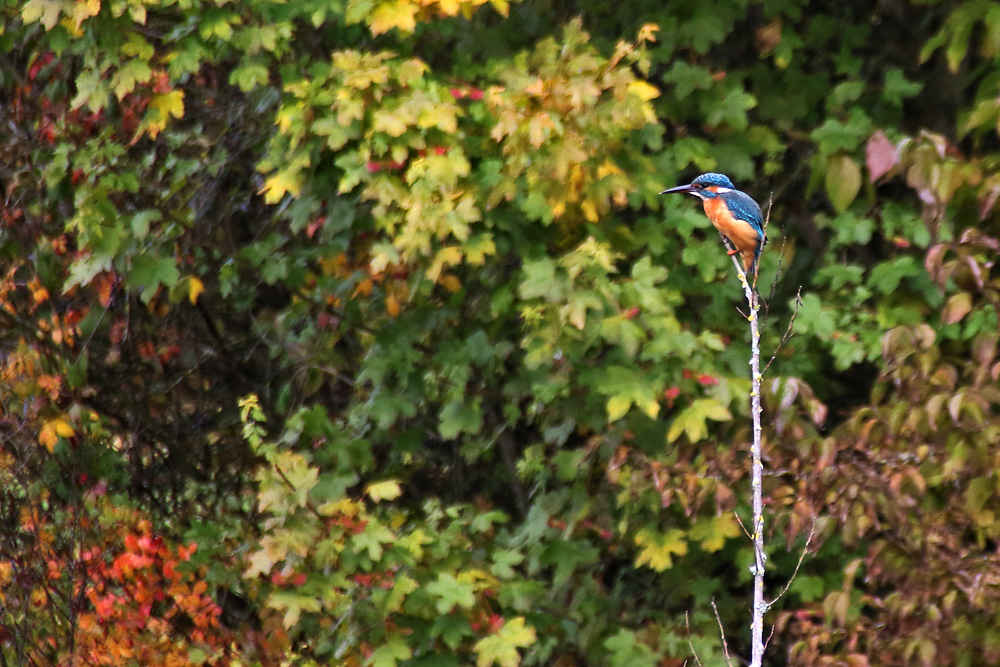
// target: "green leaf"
[[92, 90], [627, 651], [142, 220], [885, 277], [626, 387], [128, 75], [451, 593], [843, 181], [149, 272], [835, 136], [294, 603], [814, 318], [249, 75], [540, 281], [692, 420], [687, 78], [392, 652], [451, 629], [809, 588], [457, 417], [711, 534], [898, 87]]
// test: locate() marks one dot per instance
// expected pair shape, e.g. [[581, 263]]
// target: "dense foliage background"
[[354, 332]]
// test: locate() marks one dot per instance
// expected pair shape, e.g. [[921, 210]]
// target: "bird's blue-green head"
[[705, 186]]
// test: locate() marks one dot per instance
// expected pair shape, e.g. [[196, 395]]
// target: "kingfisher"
[[734, 213]]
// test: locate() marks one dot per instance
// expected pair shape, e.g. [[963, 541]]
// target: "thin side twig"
[[802, 556], [739, 520], [694, 654], [722, 634], [789, 331]]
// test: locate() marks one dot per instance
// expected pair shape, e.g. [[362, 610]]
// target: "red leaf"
[[880, 156]]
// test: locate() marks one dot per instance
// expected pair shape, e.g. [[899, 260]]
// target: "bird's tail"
[[750, 261]]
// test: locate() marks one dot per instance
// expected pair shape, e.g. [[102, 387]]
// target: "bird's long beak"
[[679, 188]]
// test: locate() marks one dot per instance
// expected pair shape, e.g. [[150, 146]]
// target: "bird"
[[734, 213]]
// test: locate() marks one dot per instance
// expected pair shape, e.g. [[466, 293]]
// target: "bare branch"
[[805, 549], [740, 521], [722, 634], [687, 624], [789, 331]]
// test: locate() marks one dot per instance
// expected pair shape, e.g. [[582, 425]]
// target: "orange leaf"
[[391, 305]]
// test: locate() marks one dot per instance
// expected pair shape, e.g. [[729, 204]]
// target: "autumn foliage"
[[356, 333]]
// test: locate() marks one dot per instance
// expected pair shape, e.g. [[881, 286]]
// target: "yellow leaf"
[[392, 122], [657, 549], [391, 305], [398, 14], [618, 405], [450, 282], [643, 90], [344, 506], [71, 27], [647, 33], [607, 168], [52, 430], [445, 257], [450, 7], [501, 647], [84, 10], [387, 490], [161, 107], [45, 11], [589, 210], [278, 184], [63, 429], [195, 288]]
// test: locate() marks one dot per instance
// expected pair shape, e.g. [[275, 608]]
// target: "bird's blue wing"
[[743, 207]]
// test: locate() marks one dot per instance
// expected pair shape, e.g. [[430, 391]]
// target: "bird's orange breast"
[[740, 232]]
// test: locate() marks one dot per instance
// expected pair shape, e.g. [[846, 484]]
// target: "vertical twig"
[[757, 471]]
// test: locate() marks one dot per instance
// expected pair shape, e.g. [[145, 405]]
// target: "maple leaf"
[[657, 549], [84, 10], [161, 107], [713, 533], [501, 648], [281, 182], [45, 11], [398, 14]]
